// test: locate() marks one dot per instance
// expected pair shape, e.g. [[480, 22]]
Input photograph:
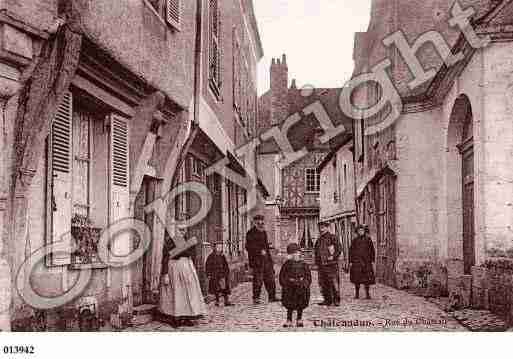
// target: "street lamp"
[[278, 201]]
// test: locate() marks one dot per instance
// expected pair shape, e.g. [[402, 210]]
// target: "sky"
[[316, 35]]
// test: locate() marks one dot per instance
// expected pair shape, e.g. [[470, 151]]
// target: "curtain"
[[301, 233], [313, 231]]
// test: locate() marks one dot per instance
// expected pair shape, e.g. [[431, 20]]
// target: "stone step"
[[141, 319], [144, 309]]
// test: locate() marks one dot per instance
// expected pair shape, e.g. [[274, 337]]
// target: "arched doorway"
[[460, 184], [466, 148]]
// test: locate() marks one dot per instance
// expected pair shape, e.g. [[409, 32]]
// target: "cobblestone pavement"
[[389, 310]]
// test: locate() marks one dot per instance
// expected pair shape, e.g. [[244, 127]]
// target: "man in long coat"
[[361, 259], [260, 260], [327, 251]]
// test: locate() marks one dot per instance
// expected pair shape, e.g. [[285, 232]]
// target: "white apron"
[[182, 297]]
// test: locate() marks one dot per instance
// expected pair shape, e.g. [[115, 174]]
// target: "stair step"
[[144, 309], [142, 319]]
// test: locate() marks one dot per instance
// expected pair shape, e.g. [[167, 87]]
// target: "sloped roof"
[[413, 18], [298, 100]]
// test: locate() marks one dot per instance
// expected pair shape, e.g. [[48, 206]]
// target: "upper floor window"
[[214, 53], [312, 180], [168, 10], [198, 168], [244, 89]]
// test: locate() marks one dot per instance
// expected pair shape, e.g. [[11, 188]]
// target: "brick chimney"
[[279, 90]]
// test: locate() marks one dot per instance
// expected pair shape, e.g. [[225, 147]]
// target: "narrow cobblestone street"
[[389, 310]]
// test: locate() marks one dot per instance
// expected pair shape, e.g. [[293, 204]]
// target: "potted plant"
[[86, 237]]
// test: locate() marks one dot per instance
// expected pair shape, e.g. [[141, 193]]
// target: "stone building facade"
[[435, 186], [107, 106]]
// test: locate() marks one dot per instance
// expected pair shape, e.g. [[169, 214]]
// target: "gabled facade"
[[292, 208], [434, 186], [337, 200]]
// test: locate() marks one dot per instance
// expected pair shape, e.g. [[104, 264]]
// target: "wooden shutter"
[[119, 179], [173, 13], [215, 43], [236, 70], [60, 181]]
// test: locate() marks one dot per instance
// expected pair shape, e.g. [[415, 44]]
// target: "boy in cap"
[[295, 281], [218, 274]]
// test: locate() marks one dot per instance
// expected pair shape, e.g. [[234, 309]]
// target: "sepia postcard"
[[255, 166]]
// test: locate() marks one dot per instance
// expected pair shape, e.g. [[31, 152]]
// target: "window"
[[169, 10], [87, 178], [198, 167], [214, 55], [237, 219], [312, 180]]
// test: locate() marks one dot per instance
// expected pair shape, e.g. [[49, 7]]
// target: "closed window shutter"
[[173, 13], [119, 180], [236, 70], [219, 51], [61, 174], [215, 54]]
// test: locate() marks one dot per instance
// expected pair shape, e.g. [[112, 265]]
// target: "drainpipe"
[[198, 58], [355, 192]]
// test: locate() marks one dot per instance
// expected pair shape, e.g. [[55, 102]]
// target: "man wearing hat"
[[260, 260], [327, 251]]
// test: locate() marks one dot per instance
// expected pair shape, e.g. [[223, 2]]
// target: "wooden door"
[[385, 220], [468, 208], [142, 267]]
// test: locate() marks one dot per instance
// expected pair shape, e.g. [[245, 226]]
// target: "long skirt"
[[182, 297], [362, 273]]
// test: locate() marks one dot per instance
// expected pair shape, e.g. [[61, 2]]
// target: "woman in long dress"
[[361, 259], [181, 299]]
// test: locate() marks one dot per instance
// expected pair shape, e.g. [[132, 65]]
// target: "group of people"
[[181, 300]]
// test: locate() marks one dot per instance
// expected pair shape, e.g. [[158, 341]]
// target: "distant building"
[[292, 208], [435, 186]]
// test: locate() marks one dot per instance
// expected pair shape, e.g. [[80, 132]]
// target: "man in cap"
[[260, 260], [327, 251]]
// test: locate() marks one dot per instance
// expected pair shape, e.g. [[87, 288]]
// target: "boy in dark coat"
[[361, 258], [295, 281], [218, 273]]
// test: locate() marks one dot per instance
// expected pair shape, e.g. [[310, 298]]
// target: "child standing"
[[295, 281], [218, 274]]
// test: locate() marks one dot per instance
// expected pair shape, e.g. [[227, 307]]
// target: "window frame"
[[317, 180]]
